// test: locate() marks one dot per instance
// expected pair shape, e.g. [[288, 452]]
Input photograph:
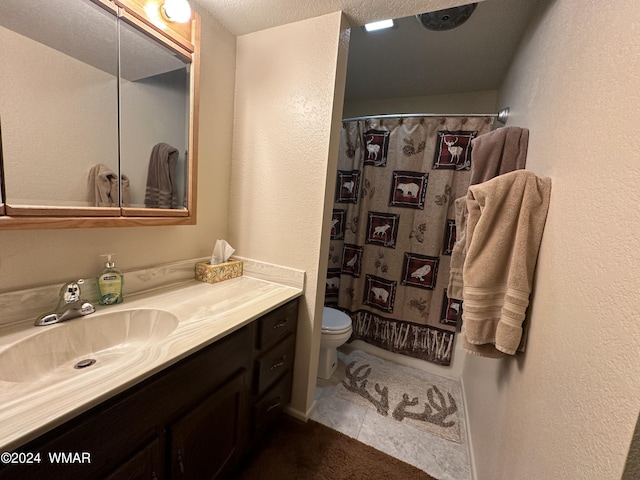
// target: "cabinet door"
[[145, 465], [205, 443]]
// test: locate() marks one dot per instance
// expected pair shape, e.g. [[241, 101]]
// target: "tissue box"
[[205, 272]]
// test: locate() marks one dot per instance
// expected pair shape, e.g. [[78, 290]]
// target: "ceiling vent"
[[446, 19]]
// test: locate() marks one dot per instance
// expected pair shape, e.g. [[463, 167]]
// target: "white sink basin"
[[53, 351]]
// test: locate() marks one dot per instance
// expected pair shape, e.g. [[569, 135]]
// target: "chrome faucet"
[[70, 305]]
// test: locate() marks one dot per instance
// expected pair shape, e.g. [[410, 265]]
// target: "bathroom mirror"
[[97, 111], [58, 101], [154, 110]]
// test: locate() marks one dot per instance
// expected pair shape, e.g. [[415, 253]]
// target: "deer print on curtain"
[[393, 230]]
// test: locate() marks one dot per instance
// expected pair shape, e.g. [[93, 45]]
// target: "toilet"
[[336, 330]]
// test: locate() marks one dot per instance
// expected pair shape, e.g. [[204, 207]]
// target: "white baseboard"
[[297, 414], [472, 461]]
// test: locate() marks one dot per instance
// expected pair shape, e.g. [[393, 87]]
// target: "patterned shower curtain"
[[393, 229]]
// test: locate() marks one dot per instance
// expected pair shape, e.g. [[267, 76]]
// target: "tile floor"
[[440, 458]]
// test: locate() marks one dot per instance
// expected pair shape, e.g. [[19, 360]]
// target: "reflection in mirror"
[[58, 101], [1, 175], [154, 116]]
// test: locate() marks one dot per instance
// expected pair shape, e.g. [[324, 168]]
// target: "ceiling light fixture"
[[178, 11], [381, 25]]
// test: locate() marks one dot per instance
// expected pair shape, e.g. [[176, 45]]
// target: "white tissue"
[[221, 252]]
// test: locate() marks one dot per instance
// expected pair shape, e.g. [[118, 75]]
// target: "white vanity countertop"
[[206, 313]]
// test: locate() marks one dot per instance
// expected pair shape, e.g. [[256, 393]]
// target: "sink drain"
[[87, 362]]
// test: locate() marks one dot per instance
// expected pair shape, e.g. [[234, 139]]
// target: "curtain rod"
[[501, 116]]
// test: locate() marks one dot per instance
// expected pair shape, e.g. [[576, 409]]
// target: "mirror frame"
[[181, 38]]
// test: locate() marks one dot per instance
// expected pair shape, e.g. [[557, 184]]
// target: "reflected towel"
[[498, 152], [161, 188], [103, 187], [504, 230]]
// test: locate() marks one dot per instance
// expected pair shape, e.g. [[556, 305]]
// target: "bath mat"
[[416, 398]]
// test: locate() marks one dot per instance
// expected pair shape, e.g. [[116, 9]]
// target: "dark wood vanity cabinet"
[[273, 353], [208, 440], [145, 464], [193, 420]]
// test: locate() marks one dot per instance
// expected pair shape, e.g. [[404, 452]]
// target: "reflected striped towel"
[[161, 188]]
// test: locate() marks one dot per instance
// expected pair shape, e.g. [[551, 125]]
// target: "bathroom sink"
[[83, 344]]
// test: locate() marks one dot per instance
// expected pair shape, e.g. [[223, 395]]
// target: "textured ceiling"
[[246, 16], [409, 60]]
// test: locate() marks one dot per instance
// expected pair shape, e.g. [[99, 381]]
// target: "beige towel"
[[161, 187], [498, 152], [103, 187], [504, 230], [459, 252]]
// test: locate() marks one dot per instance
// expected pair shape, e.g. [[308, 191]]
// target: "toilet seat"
[[335, 332], [334, 321]]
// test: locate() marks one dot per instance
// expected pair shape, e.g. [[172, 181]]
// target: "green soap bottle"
[[110, 283]]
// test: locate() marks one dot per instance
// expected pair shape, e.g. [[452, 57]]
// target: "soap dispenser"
[[110, 282]]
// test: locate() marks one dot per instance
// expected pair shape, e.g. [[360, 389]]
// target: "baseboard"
[[472, 461], [297, 414]]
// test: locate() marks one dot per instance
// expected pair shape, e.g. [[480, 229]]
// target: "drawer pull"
[[280, 324], [180, 464], [275, 405], [279, 363]]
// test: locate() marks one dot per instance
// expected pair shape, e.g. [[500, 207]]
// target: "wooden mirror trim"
[[49, 211], [178, 33], [150, 212], [185, 40]]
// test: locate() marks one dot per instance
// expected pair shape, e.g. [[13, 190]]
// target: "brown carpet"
[[310, 451]]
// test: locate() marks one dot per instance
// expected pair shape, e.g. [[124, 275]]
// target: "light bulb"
[[177, 10], [381, 25]]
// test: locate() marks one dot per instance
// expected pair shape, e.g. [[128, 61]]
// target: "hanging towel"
[[459, 251], [161, 189], [495, 153], [103, 187], [504, 229], [498, 152]]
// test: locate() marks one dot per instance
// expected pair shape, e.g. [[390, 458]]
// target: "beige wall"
[[285, 101], [32, 258], [465, 102], [567, 408]]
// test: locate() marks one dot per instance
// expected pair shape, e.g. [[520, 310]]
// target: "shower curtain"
[[393, 230]]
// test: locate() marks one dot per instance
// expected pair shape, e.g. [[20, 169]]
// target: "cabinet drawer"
[[267, 410], [273, 364], [276, 325]]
